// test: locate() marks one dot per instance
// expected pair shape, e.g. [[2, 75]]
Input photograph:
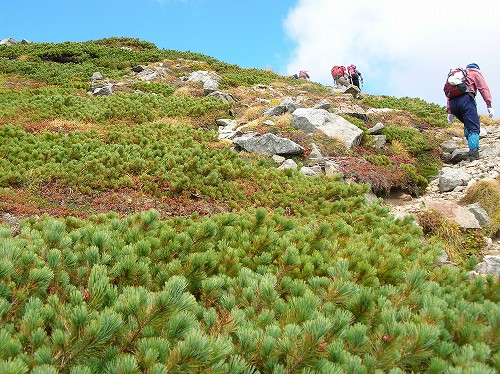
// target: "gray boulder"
[[450, 178], [480, 214], [454, 212], [210, 80], [332, 125], [377, 129], [267, 144], [288, 164], [489, 265], [223, 96]]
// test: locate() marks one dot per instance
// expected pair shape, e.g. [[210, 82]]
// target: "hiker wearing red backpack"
[[462, 104], [355, 76], [340, 77], [304, 74]]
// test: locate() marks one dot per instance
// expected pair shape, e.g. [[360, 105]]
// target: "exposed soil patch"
[[60, 201]]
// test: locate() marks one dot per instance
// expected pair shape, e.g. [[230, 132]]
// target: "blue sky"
[[402, 47]]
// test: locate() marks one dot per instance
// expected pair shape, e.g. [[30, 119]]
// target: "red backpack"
[[456, 83], [337, 70], [352, 70]]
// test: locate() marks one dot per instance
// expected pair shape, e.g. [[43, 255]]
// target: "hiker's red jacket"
[[476, 82]]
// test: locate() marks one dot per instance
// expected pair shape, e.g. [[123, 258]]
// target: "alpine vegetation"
[[134, 239]]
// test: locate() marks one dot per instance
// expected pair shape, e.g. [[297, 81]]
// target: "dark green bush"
[[154, 87], [428, 113], [412, 139]]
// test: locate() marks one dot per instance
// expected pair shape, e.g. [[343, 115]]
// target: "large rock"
[[351, 109], [490, 150], [332, 125], [450, 178], [210, 80], [223, 96], [8, 41], [454, 212], [490, 265], [324, 104], [377, 129], [353, 90], [459, 154], [267, 144], [286, 105], [480, 214], [288, 164]]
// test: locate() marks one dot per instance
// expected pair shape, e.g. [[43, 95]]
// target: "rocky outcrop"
[[287, 105], [209, 79], [267, 144], [101, 86], [332, 125], [489, 265], [12, 41]]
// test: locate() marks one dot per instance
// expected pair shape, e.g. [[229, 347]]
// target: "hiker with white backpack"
[[460, 89]]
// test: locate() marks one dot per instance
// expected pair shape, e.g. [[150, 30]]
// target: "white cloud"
[[402, 48]]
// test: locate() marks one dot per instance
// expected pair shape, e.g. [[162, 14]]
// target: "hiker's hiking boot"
[[473, 154]]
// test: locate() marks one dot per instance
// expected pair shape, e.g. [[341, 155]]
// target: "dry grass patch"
[[284, 121], [194, 89], [440, 230], [486, 120], [456, 129], [19, 84], [251, 114], [62, 125], [394, 117], [399, 149]]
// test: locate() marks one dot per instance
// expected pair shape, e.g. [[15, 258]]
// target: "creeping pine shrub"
[[379, 160], [429, 113], [412, 139], [154, 87]]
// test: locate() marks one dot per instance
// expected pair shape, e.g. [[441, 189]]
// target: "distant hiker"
[[461, 103], [304, 74], [340, 77], [355, 76]]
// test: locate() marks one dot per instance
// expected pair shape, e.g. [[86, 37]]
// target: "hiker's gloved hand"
[[491, 112], [451, 117]]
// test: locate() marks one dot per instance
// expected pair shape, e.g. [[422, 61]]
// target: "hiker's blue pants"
[[465, 109]]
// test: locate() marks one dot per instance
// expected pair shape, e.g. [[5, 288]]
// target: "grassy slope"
[[305, 262]]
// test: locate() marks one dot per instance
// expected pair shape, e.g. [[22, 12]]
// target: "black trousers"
[[355, 81]]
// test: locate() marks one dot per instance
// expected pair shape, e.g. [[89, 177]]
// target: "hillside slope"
[[138, 241]]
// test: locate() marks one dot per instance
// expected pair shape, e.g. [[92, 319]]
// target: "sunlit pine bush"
[[254, 291]]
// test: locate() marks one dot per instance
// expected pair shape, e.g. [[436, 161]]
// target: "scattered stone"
[[480, 214], [324, 104], [489, 265], [450, 178], [278, 159], [315, 153], [377, 129], [288, 164]]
